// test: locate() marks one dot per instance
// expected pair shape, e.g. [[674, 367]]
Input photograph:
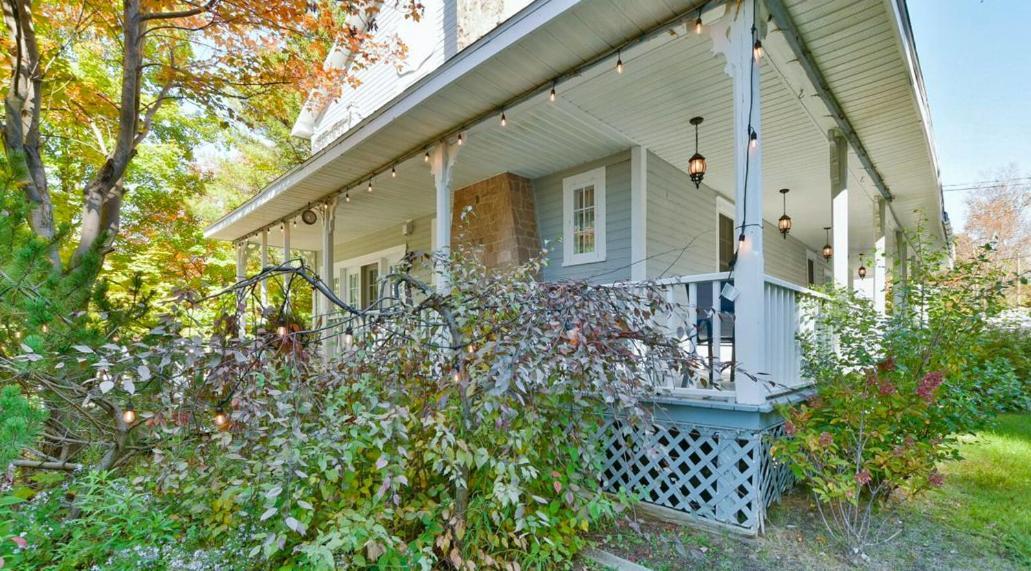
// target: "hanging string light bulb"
[[828, 251], [757, 50], [619, 61], [221, 419], [460, 140], [369, 187], [784, 222], [753, 138], [347, 197], [698, 24], [426, 157], [348, 337], [504, 120], [393, 171], [551, 96], [129, 415]]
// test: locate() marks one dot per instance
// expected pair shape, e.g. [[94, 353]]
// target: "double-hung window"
[[583, 211]]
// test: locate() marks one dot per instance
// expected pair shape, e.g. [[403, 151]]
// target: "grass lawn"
[[980, 519]]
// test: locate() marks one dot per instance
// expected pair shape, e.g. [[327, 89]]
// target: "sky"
[[976, 63]]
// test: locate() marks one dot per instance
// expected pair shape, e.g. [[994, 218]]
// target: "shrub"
[[893, 391]]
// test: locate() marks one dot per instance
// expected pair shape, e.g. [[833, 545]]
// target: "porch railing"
[[703, 320]]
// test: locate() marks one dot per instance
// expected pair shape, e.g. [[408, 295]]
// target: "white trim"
[[638, 213], [345, 268], [726, 208], [595, 177]]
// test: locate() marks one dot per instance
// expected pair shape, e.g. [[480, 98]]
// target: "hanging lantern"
[[784, 222], [696, 166], [862, 269], [828, 251]]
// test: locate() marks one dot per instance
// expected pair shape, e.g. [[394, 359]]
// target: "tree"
[[999, 213], [91, 80]]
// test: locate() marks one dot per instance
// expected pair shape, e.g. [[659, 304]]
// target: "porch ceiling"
[[667, 80]]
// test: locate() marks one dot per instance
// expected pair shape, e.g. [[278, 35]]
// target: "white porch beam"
[[880, 264], [264, 264], [241, 300], [285, 229], [638, 213], [839, 209], [329, 210], [442, 160], [749, 268]]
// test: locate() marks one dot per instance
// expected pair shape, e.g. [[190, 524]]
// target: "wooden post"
[[880, 264], [442, 159], [638, 213], [749, 268], [839, 208], [326, 272], [264, 264]]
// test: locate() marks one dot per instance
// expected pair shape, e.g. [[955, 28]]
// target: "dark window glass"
[[726, 242]]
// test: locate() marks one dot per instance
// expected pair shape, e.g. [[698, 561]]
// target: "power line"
[[976, 185]]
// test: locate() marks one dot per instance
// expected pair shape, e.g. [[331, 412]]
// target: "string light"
[[348, 337], [369, 188], [757, 50], [281, 330], [426, 157], [619, 61], [460, 140], [347, 197], [129, 415], [551, 96], [393, 171], [295, 223], [698, 25], [221, 419], [753, 138], [504, 120]]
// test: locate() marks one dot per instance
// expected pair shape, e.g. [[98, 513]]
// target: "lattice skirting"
[[723, 475]]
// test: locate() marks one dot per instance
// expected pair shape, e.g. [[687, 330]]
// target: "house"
[[579, 123]]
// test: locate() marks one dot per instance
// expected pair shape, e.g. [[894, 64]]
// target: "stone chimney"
[[503, 222]]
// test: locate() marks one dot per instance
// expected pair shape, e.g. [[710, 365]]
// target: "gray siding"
[[548, 198], [681, 226], [785, 259], [386, 238]]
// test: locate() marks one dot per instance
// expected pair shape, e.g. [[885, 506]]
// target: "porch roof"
[[864, 51]]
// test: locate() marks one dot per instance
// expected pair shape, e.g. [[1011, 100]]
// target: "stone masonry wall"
[[503, 222]]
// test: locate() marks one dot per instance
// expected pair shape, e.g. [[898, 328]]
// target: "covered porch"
[[569, 128]]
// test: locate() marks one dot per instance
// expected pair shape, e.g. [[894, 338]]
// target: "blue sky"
[[976, 61]]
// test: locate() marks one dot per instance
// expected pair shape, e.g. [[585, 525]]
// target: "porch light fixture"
[[862, 269], [784, 222], [828, 251], [619, 61], [696, 166], [308, 216]]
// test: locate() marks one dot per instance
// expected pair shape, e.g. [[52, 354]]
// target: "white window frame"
[[570, 184], [726, 208], [353, 266]]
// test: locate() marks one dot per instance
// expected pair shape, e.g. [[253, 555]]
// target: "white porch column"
[[241, 300], [880, 264], [442, 159], [264, 264], [329, 210], [638, 213], [749, 268], [902, 269], [285, 229], [839, 208]]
